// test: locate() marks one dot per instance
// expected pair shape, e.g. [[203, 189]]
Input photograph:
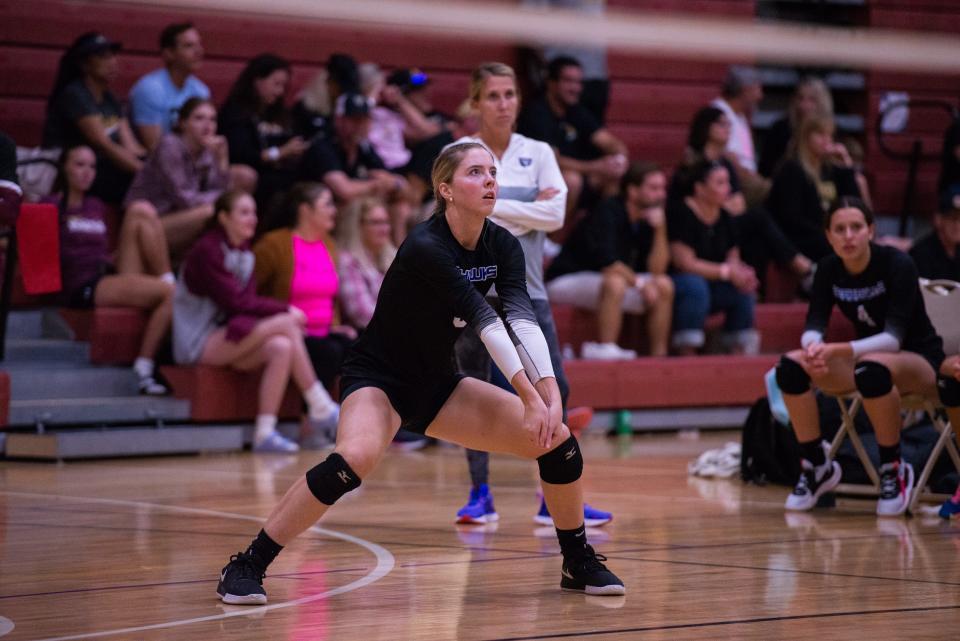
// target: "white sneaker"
[[896, 488], [606, 352], [814, 482]]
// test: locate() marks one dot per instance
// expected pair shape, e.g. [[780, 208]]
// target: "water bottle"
[[622, 423]]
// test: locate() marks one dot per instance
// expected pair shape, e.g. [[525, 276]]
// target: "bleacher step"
[[98, 411], [31, 352], [80, 444], [33, 383]]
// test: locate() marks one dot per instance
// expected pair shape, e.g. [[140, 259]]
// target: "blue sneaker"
[[592, 517], [276, 443], [951, 507], [479, 509]]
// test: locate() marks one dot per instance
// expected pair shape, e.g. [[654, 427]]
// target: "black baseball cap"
[[94, 43], [408, 79], [353, 105]]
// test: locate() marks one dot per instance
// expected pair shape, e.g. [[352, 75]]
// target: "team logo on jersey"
[[864, 317], [526, 162], [480, 274]]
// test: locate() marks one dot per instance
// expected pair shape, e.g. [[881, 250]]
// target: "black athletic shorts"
[[416, 403], [82, 297]]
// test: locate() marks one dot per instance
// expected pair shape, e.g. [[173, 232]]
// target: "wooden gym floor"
[[131, 549]]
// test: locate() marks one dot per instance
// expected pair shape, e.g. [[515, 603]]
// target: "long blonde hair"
[[445, 166], [800, 150], [821, 94], [350, 234]]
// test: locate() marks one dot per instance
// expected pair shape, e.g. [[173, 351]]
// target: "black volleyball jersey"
[[434, 288], [885, 297]]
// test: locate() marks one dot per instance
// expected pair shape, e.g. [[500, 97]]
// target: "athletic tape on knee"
[[873, 379], [563, 464], [791, 377], [949, 389], [331, 479]]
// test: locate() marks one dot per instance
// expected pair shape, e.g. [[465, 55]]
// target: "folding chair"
[[942, 301]]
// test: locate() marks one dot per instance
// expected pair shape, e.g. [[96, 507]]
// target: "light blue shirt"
[[155, 100]]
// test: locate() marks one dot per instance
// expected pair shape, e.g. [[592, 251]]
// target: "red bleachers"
[[647, 383], [114, 333], [219, 394], [780, 326]]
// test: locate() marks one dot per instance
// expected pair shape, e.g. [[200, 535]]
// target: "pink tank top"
[[314, 284]]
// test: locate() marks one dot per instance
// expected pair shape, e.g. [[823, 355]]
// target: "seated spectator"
[[810, 98], [896, 352], [426, 130], [365, 253], [219, 320], [386, 125], [816, 172], [82, 110], [350, 167], [183, 177], [762, 240], [950, 158], [156, 98], [591, 158], [256, 124], [741, 93], [140, 276], [312, 114], [948, 387], [296, 264], [615, 261], [11, 195], [709, 275], [936, 253]]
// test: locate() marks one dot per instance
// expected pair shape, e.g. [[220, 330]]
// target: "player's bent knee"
[[563, 464], [873, 380], [331, 479], [949, 389], [791, 377]]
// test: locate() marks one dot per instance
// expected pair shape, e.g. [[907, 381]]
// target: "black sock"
[[812, 451], [889, 453], [264, 549], [572, 542]]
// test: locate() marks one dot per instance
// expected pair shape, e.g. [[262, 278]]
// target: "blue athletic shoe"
[[592, 517], [951, 507], [479, 509]]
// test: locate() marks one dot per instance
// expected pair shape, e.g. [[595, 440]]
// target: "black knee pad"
[[949, 389], [563, 464], [332, 479], [791, 377], [873, 379]]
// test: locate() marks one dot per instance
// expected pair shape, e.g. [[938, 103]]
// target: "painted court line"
[[385, 563]]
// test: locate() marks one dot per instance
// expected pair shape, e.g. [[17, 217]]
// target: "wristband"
[[273, 154]]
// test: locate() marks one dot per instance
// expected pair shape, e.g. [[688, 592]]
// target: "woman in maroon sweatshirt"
[[218, 319]]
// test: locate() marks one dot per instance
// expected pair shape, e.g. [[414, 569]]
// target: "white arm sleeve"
[[882, 342], [497, 341], [810, 337], [533, 350]]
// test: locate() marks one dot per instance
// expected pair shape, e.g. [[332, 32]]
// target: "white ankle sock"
[[168, 277], [143, 367], [319, 403], [265, 425]]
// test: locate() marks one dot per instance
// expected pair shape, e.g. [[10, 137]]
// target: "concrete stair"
[[63, 407]]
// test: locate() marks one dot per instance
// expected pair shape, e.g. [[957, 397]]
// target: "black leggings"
[[326, 354]]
